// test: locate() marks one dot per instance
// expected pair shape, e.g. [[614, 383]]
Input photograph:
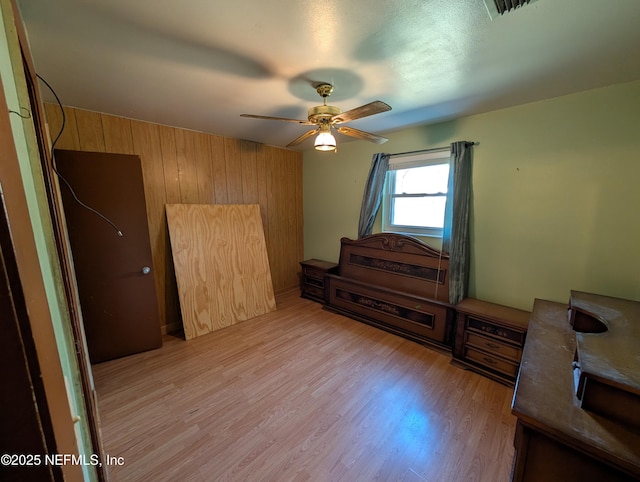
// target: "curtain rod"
[[434, 149]]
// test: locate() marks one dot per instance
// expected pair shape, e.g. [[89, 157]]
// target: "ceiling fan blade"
[[375, 107], [303, 122], [350, 131], [303, 137]]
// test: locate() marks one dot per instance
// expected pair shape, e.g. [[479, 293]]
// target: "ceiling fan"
[[327, 117]]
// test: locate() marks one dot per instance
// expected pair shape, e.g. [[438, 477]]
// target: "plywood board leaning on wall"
[[221, 265]]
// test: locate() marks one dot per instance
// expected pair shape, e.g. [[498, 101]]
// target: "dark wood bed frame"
[[396, 283]]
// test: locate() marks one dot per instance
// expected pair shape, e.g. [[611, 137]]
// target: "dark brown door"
[[114, 273]]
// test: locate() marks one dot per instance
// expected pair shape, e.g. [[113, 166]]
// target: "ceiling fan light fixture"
[[325, 141], [327, 117]]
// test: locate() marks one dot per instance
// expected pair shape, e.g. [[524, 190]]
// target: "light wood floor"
[[302, 394]]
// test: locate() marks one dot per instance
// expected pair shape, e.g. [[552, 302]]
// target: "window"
[[415, 194]]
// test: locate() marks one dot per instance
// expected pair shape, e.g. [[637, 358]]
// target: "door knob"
[[146, 270]]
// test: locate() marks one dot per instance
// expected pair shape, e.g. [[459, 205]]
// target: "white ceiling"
[[199, 64]]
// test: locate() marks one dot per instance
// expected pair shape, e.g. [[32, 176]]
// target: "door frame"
[[25, 413], [62, 250]]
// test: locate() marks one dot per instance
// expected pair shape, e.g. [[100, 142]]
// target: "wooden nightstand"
[[312, 278], [490, 339]]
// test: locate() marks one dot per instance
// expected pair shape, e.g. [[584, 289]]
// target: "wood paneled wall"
[[181, 167]]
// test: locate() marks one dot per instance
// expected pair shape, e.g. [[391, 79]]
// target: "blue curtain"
[[372, 193], [455, 239]]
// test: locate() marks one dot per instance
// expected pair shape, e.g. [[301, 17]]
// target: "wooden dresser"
[[557, 437], [490, 338]]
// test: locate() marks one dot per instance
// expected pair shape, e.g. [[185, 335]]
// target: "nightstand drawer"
[[491, 362], [494, 346], [316, 282], [314, 273], [491, 328], [314, 291]]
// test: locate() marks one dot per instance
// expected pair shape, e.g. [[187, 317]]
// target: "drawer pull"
[[493, 346], [490, 361]]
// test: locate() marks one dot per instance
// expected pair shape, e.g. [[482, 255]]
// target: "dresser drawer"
[[494, 346], [491, 362]]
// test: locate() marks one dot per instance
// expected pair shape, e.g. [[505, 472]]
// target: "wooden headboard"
[[396, 262]]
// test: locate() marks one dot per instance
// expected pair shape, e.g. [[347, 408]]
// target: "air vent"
[[500, 7]]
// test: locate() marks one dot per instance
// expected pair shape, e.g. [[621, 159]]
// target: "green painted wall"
[[555, 195]]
